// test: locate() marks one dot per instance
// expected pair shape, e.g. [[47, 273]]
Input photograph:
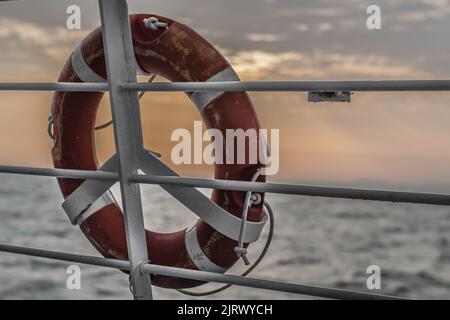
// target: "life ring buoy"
[[177, 53]]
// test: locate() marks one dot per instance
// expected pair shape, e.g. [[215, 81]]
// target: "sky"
[[387, 140]]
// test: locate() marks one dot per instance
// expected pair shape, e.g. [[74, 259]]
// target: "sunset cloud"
[[432, 9], [265, 37], [16, 30], [26, 41], [24, 44], [378, 137], [319, 64]]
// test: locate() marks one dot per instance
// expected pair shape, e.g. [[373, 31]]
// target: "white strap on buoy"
[[84, 71], [198, 257], [214, 215], [203, 99], [90, 196]]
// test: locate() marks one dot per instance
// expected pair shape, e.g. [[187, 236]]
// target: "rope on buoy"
[[154, 24]]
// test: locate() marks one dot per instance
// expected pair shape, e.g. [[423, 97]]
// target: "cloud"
[[301, 9], [437, 3], [324, 26], [26, 46], [265, 37], [254, 64], [432, 10], [24, 43], [338, 11], [302, 27], [28, 32]]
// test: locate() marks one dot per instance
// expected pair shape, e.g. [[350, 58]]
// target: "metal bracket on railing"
[[250, 199], [139, 275], [329, 96]]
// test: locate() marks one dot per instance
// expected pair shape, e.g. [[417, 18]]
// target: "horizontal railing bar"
[[310, 290], [258, 283], [304, 190], [60, 173], [70, 257], [235, 185], [314, 85], [58, 86]]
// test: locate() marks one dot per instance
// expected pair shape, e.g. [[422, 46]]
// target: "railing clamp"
[[250, 200], [329, 96], [136, 277]]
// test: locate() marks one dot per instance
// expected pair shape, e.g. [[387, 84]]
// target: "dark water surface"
[[327, 242]]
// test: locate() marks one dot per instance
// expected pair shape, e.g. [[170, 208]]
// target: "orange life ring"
[[179, 54]]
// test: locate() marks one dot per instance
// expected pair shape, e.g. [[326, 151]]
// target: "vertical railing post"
[[121, 67]]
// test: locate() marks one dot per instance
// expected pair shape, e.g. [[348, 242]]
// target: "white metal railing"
[[61, 173], [61, 86], [122, 85], [227, 86], [237, 185], [280, 286], [299, 86]]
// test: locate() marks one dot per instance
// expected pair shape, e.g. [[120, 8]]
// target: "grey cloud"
[[275, 26]]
